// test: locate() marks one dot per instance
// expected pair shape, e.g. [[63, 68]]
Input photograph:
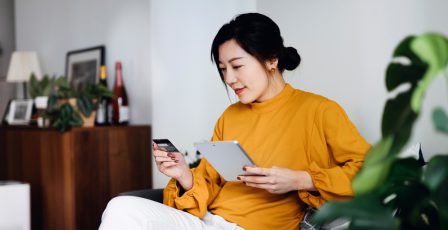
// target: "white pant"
[[130, 212]]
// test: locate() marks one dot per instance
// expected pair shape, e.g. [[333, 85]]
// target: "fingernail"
[[170, 154], [238, 177], [244, 169], [177, 161], [172, 158]]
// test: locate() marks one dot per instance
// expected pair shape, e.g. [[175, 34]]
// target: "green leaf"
[[365, 212], [403, 49], [52, 101], [408, 169], [436, 171], [436, 178], [75, 120], [33, 86], [440, 120], [432, 48], [45, 86], [41, 87], [66, 111], [410, 212], [440, 198], [84, 104], [397, 114], [103, 91], [397, 74], [398, 120], [375, 168]]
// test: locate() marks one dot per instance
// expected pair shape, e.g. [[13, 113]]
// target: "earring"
[[273, 70]]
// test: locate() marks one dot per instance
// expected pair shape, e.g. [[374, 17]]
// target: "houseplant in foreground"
[[394, 193]]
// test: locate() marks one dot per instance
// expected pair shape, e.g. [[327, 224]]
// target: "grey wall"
[[346, 46], [7, 44]]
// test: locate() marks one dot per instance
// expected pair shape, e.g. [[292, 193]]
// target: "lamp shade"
[[22, 65]]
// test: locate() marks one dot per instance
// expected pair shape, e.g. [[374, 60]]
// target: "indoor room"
[[86, 86]]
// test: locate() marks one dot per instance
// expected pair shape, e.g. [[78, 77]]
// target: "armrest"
[[151, 194]]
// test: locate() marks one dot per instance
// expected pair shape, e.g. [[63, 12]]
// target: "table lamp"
[[21, 66]]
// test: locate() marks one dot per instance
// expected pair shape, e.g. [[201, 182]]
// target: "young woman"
[[306, 149]]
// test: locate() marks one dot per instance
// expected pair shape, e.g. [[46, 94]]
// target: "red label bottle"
[[120, 105]]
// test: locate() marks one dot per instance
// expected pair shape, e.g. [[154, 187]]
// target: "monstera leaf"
[[391, 193], [406, 67], [365, 212], [440, 120], [376, 167], [432, 48], [436, 178], [417, 60]]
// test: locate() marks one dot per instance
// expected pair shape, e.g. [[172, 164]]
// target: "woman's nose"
[[229, 77]]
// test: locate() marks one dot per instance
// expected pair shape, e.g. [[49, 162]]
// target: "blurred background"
[[172, 85]]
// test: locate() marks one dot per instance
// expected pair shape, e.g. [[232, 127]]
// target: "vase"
[[86, 121]]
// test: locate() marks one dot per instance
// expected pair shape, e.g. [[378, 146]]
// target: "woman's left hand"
[[277, 180]]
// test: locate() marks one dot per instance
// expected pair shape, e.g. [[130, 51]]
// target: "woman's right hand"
[[173, 164]]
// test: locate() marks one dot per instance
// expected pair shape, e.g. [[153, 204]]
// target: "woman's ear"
[[272, 64]]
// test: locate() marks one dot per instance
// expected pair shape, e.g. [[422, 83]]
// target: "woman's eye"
[[237, 66], [222, 69]]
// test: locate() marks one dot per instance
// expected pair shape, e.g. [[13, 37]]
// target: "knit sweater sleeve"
[[207, 184], [346, 149]]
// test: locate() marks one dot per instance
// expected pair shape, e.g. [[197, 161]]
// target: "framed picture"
[[82, 66], [19, 111]]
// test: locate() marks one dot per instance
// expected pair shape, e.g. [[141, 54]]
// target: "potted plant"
[[69, 108], [395, 193], [40, 90]]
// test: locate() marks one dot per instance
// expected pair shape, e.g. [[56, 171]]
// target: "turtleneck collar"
[[273, 103]]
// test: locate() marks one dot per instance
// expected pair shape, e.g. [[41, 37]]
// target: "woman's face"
[[243, 73]]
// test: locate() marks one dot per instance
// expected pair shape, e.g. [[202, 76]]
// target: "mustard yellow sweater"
[[295, 130]]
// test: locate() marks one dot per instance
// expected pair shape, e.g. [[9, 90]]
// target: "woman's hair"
[[259, 36]]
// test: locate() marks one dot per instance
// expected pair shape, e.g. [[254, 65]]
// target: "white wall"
[[165, 47], [346, 46], [188, 96], [54, 27]]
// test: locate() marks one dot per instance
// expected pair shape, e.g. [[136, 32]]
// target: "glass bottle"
[[120, 105]]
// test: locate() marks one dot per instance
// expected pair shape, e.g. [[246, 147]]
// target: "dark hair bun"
[[290, 59], [259, 36]]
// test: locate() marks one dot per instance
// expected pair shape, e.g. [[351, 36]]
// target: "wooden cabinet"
[[74, 174]]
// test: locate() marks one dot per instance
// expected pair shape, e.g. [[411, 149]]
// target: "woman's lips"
[[239, 90]]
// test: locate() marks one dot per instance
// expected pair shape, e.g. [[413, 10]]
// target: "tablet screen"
[[227, 157]]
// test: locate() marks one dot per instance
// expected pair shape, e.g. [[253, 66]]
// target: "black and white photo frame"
[[18, 112], [82, 66]]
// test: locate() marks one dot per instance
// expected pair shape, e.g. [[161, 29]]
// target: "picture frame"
[[82, 66], [19, 112]]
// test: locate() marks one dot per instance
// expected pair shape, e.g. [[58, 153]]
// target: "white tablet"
[[227, 157]]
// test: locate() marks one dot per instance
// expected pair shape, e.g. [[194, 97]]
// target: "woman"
[[306, 149]]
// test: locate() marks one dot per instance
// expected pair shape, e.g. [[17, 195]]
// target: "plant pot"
[[41, 102], [43, 122], [86, 121]]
